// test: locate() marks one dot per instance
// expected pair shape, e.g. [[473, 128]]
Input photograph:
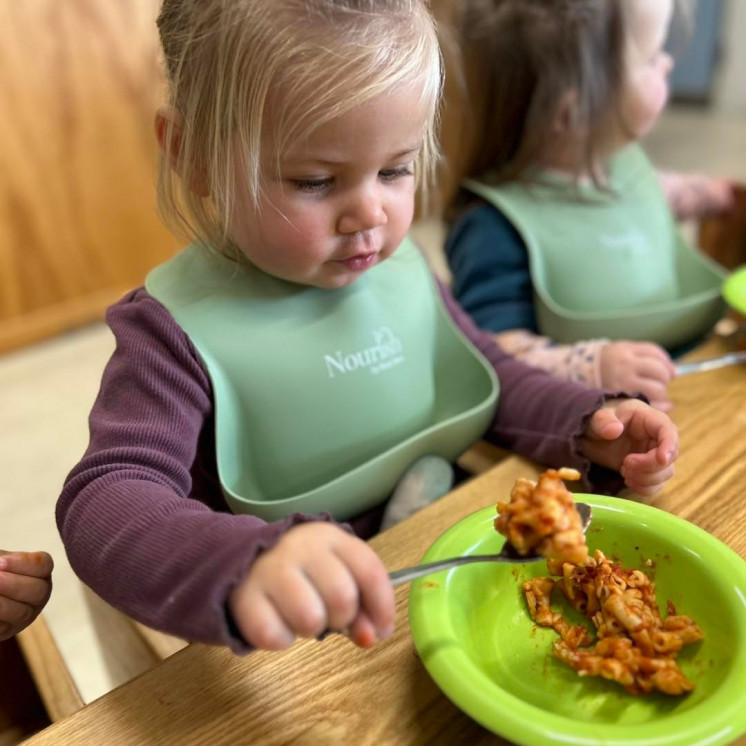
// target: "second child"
[[563, 241]]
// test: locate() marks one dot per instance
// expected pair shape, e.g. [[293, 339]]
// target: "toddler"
[[564, 237], [274, 382], [25, 587]]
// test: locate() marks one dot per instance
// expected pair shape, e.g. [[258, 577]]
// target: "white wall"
[[730, 90]]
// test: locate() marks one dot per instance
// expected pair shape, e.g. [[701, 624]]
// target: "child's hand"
[[25, 585], [721, 198], [318, 577], [694, 196], [634, 439], [638, 367]]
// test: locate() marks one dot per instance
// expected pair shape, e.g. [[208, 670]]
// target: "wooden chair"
[[50, 674], [21, 710], [724, 238], [35, 685]]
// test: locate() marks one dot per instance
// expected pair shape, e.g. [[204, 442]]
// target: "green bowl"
[[734, 290], [474, 635]]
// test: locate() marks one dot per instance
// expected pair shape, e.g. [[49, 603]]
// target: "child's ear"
[[565, 114], [169, 127]]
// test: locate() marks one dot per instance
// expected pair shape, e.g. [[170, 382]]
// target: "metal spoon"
[[507, 554], [732, 358]]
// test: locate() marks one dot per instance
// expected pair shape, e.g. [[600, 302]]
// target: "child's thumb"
[[605, 425]]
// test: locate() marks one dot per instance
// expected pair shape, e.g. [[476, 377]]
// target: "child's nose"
[[363, 213]]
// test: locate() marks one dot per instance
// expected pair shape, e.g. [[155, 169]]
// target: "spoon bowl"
[[507, 554]]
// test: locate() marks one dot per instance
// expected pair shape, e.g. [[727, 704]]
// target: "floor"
[[46, 392]]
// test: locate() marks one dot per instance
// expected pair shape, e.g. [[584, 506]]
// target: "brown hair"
[[228, 61], [528, 54]]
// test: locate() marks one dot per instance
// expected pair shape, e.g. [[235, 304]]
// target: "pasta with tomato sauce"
[[634, 646]]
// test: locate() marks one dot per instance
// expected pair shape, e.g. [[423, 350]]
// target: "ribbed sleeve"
[[137, 528]]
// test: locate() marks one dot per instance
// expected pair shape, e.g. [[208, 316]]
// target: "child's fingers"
[[645, 424], [662, 405], [6, 631], [26, 589], [668, 450], [337, 588], [259, 621], [659, 355], [653, 368], [645, 465], [376, 593], [298, 603], [35, 564], [654, 389], [362, 631], [643, 474], [649, 484], [642, 490], [662, 431], [16, 613]]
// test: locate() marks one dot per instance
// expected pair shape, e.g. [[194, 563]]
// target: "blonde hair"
[[229, 61]]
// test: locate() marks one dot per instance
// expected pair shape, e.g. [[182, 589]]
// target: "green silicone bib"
[[324, 397], [610, 264]]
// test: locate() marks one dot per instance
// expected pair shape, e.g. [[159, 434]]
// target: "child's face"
[[649, 66], [344, 197]]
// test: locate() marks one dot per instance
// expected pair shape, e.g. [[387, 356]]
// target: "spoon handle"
[[732, 358], [410, 573]]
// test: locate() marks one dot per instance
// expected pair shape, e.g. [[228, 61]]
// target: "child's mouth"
[[359, 262]]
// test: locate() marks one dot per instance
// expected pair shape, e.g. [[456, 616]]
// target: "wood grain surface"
[[49, 672], [334, 693], [79, 84]]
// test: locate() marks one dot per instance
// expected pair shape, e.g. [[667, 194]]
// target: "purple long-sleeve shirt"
[[142, 515]]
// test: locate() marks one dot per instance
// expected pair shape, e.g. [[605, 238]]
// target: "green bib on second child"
[[610, 262], [323, 398]]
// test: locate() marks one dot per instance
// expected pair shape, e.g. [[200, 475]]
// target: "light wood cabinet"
[[79, 83]]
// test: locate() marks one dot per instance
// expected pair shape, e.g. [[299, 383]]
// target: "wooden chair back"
[[724, 238]]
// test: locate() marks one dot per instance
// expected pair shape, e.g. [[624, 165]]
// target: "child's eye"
[[392, 174], [312, 185]]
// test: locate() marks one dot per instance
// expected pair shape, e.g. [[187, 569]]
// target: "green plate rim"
[[526, 725], [734, 289]]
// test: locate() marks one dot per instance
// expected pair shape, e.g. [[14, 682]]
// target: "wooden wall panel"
[[79, 83]]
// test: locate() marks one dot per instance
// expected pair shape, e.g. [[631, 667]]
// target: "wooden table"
[[334, 693]]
